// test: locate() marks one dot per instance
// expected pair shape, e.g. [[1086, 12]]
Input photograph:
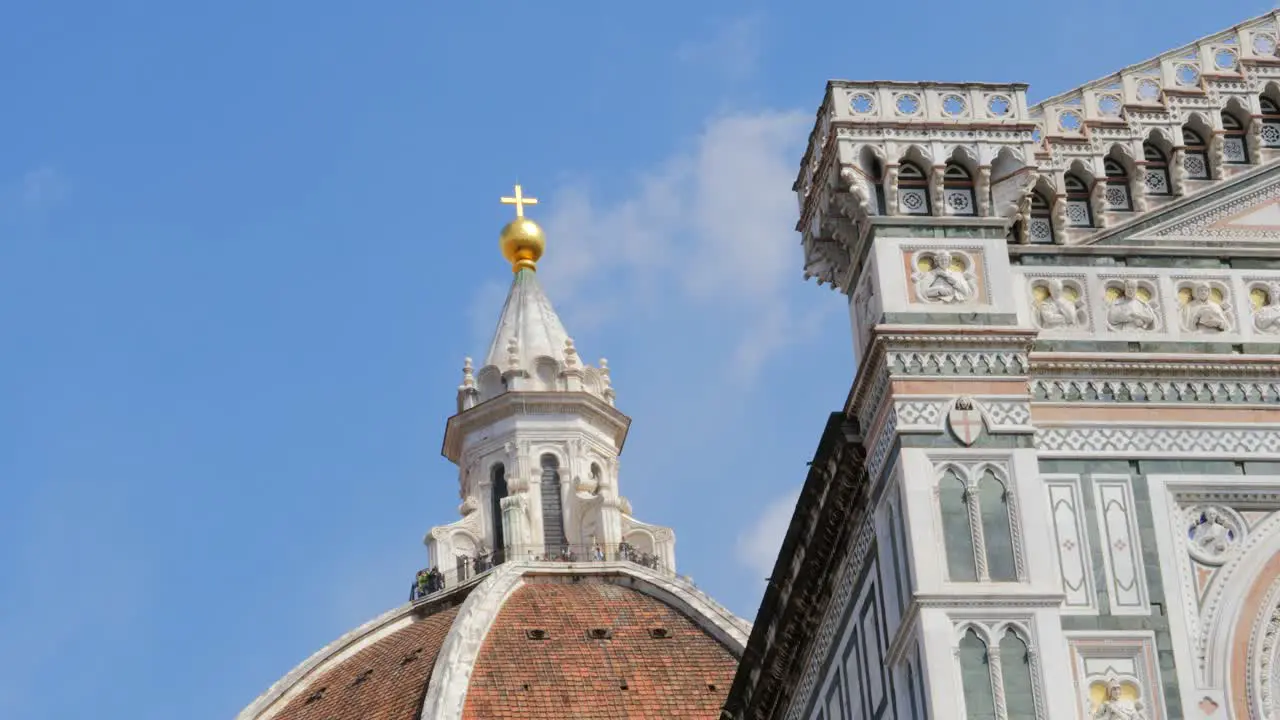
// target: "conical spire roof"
[[529, 320]]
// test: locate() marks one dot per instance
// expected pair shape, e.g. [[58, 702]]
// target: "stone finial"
[[513, 354], [468, 375], [570, 353]]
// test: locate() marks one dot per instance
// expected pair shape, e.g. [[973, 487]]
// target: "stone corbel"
[[1023, 218], [1177, 171], [1138, 189], [1058, 216], [1217, 155], [1254, 143], [937, 201], [982, 189], [1098, 203], [891, 189]]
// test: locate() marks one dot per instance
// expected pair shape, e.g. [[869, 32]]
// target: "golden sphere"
[[522, 243]]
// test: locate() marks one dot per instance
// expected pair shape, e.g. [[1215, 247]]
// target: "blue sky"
[[244, 247]]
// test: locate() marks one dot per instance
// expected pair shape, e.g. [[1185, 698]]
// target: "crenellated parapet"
[[1061, 172]]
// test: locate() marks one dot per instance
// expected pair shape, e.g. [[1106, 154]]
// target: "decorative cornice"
[[509, 404], [800, 591], [1253, 441]]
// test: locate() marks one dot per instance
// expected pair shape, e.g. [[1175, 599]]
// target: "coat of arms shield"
[[965, 420]]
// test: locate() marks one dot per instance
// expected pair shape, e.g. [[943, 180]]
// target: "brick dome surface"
[[596, 650], [385, 681]]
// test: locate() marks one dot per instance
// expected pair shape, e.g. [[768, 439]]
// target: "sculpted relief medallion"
[[1265, 299], [1058, 304], [1119, 701], [945, 276], [1131, 305], [1204, 307]]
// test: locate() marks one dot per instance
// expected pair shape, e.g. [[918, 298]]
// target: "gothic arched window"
[[497, 491], [1079, 213], [877, 181], [1116, 191], [1157, 171], [1015, 671], [1234, 149], [1195, 158], [957, 191], [997, 535], [1270, 122], [975, 678], [913, 190], [552, 509], [1041, 228], [953, 497]]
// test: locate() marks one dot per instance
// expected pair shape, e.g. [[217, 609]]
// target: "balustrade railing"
[[430, 581]]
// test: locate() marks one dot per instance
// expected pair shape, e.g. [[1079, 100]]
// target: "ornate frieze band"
[[1126, 441]]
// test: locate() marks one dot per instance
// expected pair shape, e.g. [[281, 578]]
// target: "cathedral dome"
[[530, 640], [547, 598]]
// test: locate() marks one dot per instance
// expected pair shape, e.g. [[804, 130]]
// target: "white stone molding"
[[928, 413], [1121, 657], [297, 680], [1099, 440], [451, 675], [1150, 390], [841, 596], [1071, 538], [1125, 570]]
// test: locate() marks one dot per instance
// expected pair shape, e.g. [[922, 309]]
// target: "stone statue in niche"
[[1201, 311], [1056, 306], [1116, 707], [945, 278], [1131, 308], [1266, 315]]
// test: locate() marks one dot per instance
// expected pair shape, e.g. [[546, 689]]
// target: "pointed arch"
[[1269, 108], [497, 492], [958, 190], [913, 188], [1076, 187], [1195, 152], [997, 532], [871, 162], [1040, 229], [975, 677], [1235, 146], [1015, 670], [953, 501], [1155, 158], [553, 537], [1117, 170]]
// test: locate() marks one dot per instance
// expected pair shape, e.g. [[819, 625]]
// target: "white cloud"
[[712, 226], [759, 543], [733, 50]]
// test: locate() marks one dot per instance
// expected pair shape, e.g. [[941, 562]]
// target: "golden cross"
[[519, 201]]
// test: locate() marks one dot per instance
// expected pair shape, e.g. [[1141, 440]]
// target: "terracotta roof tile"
[[385, 681], [570, 673]]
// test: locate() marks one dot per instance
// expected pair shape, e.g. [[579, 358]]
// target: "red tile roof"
[[544, 658], [385, 681]]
